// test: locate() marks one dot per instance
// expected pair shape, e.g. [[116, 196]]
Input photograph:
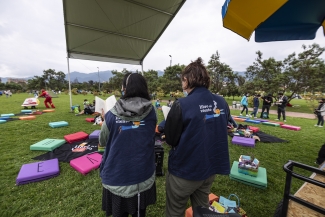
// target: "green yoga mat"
[[259, 182], [271, 124], [47, 145]]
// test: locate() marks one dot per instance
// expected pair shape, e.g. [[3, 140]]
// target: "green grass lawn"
[[72, 194]]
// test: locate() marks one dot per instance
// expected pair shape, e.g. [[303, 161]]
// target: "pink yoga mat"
[[86, 163]]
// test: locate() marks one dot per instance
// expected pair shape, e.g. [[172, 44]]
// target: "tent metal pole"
[[69, 81], [142, 68]]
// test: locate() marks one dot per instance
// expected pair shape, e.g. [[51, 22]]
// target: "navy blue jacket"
[[196, 127], [256, 102], [128, 151]]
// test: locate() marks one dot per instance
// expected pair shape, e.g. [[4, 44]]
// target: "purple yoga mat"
[[94, 135], [261, 120], [243, 141], [38, 171]]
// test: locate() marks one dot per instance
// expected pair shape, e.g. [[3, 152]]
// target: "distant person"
[[170, 103], [256, 104], [48, 99], [320, 113], [281, 103], [157, 104], [244, 103], [86, 103], [89, 109], [267, 102]]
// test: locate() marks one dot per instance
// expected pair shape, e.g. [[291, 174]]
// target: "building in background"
[[16, 80]]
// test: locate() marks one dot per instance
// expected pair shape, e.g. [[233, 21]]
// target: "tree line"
[[297, 73]]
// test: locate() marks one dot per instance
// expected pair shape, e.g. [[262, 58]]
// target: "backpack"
[[264, 115], [76, 110], [321, 155]]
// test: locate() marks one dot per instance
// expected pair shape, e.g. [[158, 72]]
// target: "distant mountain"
[[160, 73], [83, 77], [241, 73]]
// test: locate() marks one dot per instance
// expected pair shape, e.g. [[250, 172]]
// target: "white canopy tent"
[[119, 31]]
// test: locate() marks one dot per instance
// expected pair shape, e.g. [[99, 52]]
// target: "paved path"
[[274, 112]]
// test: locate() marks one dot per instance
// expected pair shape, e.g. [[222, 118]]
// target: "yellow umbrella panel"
[[243, 17]]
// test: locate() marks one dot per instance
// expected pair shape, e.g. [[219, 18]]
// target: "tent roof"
[[120, 31]]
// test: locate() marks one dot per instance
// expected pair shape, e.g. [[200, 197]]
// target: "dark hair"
[[196, 74], [135, 86], [280, 93]]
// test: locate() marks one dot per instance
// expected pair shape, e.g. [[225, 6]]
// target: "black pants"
[[142, 213], [244, 107], [267, 108], [281, 111], [320, 119]]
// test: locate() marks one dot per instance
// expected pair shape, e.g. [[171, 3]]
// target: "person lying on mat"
[[88, 110], [127, 169]]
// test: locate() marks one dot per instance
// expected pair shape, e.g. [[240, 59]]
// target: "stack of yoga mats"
[[243, 141], [30, 117], [94, 135], [7, 115], [86, 163], [38, 171], [74, 137], [252, 121], [90, 119], [49, 110], [254, 129], [47, 145], [259, 182], [271, 124], [290, 127], [58, 124]]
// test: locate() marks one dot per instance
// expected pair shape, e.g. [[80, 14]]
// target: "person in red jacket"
[[48, 99]]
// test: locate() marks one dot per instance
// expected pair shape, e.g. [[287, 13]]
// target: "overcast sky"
[[32, 39]]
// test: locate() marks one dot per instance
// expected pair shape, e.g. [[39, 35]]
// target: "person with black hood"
[[127, 169], [196, 129], [267, 102], [282, 103], [256, 104], [320, 112]]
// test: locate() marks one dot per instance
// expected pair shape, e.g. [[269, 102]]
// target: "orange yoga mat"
[[30, 117], [239, 119], [49, 110]]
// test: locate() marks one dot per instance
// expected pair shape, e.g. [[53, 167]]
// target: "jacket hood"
[[133, 107]]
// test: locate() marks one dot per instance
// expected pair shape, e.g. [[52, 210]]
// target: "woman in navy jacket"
[[128, 167], [196, 128]]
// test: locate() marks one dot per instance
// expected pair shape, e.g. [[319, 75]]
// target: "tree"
[[305, 71], [37, 82], [218, 72], [264, 75], [115, 82], [171, 80], [151, 77], [59, 81]]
